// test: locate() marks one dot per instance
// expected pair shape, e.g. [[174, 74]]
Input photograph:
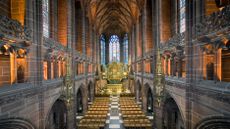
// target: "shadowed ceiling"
[[113, 16]]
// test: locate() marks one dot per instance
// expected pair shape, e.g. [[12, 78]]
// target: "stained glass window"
[[102, 41], [182, 15], [114, 49], [45, 14], [125, 49]]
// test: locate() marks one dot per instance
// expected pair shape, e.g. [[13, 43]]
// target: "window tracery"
[[182, 15], [125, 49], [114, 49], [45, 14], [102, 41]]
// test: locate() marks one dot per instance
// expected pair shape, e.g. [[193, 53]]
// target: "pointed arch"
[[12, 123]]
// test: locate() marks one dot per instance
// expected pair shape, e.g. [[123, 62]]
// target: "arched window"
[[125, 47], [182, 15], [102, 41], [45, 14], [114, 49]]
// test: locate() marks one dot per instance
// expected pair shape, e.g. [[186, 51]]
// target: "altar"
[[115, 75], [114, 88]]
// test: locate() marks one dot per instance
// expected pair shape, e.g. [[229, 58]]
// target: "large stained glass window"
[[114, 49], [182, 16], [102, 41], [45, 14], [125, 49]]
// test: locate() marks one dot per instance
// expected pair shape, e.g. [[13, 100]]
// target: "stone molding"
[[214, 22], [13, 28]]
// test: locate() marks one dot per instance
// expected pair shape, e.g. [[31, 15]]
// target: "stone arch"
[[149, 98], [90, 91], [214, 122], [51, 105], [15, 123], [210, 71], [20, 74], [57, 116], [79, 100], [138, 90], [168, 95], [172, 114]]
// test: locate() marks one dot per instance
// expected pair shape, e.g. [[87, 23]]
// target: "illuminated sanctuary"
[[114, 64]]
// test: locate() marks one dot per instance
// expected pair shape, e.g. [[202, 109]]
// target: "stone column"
[[174, 66], [171, 66], [122, 49], [107, 54], [138, 39], [179, 67], [134, 43], [71, 118], [166, 65], [55, 65], [97, 47], [83, 31], [158, 109], [189, 65], [130, 47], [38, 40], [55, 22]]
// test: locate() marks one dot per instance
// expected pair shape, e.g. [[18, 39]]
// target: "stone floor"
[[114, 120]]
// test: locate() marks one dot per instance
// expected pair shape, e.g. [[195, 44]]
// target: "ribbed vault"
[[113, 16]]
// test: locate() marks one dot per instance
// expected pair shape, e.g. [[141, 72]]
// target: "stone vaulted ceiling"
[[113, 16]]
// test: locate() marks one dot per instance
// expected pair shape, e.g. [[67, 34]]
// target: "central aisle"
[[114, 112], [114, 120]]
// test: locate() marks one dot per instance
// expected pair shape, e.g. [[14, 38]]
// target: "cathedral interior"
[[114, 64]]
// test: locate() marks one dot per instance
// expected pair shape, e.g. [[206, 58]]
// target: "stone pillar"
[[71, 45], [38, 33], [83, 31], [179, 67], [158, 109], [174, 66], [130, 48], [55, 22], [55, 65], [166, 65], [94, 47], [175, 18], [134, 44], [171, 66], [189, 65], [215, 75], [158, 116], [107, 54], [122, 49], [98, 48]]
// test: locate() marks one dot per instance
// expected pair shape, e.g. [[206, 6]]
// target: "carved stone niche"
[[208, 49], [179, 51]]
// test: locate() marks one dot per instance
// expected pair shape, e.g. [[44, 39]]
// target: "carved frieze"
[[13, 28], [214, 22], [54, 49], [176, 40], [52, 44]]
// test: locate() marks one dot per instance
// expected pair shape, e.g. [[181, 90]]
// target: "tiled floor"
[[114, 120]]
